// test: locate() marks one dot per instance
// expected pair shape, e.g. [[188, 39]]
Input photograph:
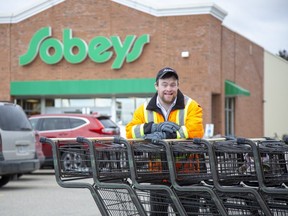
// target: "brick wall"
[[5, 58], [242, 63]]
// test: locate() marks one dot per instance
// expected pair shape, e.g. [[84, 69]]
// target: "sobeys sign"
[[100, 49]]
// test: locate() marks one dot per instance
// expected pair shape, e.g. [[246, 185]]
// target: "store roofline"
[[175, 9], [16, 15], [30, 8]]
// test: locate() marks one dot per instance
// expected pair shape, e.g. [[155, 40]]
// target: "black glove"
[[166, 126], [156, 135], [171, 135]]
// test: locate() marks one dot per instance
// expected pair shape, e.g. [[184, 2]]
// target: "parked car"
[[18, 153], [71, 126]]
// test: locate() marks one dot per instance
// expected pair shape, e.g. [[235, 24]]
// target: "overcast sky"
[[264, 22]]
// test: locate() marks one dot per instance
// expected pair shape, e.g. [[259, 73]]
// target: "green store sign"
[[100, 49]]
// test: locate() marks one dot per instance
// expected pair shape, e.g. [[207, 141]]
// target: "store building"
[[102, 56]]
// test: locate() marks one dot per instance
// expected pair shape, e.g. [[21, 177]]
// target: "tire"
[[4, 180], [72, 161]]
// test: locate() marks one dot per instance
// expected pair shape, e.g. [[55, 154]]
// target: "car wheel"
[[4, 180], [72, 161]]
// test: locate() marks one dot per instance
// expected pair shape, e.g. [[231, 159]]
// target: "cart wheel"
[[72, 161]]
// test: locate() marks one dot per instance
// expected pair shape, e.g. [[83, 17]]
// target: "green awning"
[[232, 89], [82, 87]]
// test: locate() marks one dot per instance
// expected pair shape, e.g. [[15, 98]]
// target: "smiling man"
[[169, 114]]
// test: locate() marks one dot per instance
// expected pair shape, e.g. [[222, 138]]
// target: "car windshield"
[[12, 118], [33, 122]]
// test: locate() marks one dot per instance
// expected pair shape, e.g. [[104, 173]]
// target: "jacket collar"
[[180, 103]]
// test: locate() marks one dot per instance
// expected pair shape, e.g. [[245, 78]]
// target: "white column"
[[113, 109], [42, 106]]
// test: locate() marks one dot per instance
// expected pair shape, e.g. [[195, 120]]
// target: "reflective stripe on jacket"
[[186, 112]]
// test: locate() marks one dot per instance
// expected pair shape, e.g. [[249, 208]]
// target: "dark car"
[[71, 126]]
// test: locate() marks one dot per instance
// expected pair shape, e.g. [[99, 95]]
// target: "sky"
[[265, 22]]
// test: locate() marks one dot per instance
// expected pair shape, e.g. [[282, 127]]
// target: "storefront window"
[[81, 102], [125, 108], [30, 106], [49, 102], [103, 102], [229, 116], [58, 102]]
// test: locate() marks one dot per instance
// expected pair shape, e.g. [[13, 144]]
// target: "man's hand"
[[167, 126], [155, 136]]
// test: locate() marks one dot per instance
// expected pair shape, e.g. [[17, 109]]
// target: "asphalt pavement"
[[38, 194]]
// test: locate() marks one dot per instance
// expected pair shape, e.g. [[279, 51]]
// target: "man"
[[169, 115]]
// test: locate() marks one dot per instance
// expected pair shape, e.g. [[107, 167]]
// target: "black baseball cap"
[[165, 71]]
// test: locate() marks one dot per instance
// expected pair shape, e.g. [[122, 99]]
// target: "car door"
[[53, 127]]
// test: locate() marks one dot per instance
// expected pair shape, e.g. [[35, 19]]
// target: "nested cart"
[[176, 177]]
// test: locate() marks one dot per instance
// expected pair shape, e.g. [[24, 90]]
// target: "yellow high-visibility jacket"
[[187, 113]]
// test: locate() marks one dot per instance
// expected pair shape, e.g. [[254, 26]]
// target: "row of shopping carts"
[[176, 177]]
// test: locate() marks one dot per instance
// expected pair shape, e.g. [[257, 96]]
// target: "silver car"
[[17, 143]]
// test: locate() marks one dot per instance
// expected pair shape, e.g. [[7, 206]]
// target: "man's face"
[[167, 89]]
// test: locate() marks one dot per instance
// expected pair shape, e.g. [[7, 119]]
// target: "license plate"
[[22, 149]]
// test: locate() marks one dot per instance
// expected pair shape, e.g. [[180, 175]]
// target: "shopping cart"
[[111, 174], [151, 175], [234, 180], [73, 175], [190, 168], [272, 173]]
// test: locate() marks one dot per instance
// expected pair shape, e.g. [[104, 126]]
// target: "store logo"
[[75, 50]]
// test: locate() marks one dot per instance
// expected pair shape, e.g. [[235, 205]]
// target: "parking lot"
[[39, 194]]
